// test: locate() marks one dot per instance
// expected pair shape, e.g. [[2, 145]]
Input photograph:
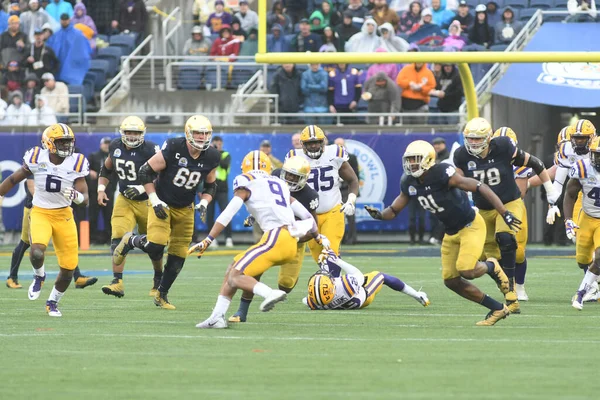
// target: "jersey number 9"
[[276, 190], [490, 177], [187, 179]]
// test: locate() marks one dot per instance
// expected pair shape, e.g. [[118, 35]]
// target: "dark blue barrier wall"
[[380, 159]]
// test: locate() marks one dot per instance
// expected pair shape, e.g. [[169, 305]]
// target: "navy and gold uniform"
[[177, 186], [127, 162], [464, 238], [289, 272], [496, 171]]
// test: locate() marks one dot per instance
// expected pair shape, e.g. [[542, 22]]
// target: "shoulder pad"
[[243, 180], [32, 155], [579, 170]]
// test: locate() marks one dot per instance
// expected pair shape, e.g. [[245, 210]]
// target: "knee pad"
[[37, 254], [155, 251], [113, 244], [506, 242], [175, 262], [520, 254]]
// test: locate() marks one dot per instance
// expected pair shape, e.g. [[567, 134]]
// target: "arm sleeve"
[[559, 178], [351, 270], [232, 208]]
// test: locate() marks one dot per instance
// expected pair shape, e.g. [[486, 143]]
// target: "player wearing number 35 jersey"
[[328, 164], [181, 165]]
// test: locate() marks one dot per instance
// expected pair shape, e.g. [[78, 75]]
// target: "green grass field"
[[108, 348]]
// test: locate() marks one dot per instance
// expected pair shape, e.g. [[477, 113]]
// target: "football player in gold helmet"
[[439, 189]]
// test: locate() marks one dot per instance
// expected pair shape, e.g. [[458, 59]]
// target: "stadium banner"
[[575, 85], [379, 157]]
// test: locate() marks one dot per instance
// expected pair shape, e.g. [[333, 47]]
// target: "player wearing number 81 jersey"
[[328, 164], [181, 165]]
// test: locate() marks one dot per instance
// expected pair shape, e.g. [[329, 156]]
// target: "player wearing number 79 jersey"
[[328, 164]]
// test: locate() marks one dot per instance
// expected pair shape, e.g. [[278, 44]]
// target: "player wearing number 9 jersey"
[[181, 165], [328, 164], [491, 162], [126, 155], [268, 200], [59, 176], [439, 189]]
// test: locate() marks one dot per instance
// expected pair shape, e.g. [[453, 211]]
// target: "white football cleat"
[[577, 300], [52, 309], [35, 289], [592, 293], [215, 323], [228, 242], [423, 299], [521, 293], [275, 297]]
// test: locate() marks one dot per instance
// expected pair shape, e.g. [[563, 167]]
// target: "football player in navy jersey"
[[439, 189], [181, 165], [294, 172], [491, 162]]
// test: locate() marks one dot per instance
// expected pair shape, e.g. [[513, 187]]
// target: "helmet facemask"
[[476, 145], [413, 164], [581, 144], [132, 139], [314, 148], [199, 139], [64, 147], [295, 180]]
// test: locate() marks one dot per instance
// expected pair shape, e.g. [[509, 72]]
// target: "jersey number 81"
[[187, 179]]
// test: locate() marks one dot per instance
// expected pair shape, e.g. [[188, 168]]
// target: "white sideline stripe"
[[315, 338]]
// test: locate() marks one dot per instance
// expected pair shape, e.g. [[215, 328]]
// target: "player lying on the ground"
[[268, 200], [352, 289], [439, 189]]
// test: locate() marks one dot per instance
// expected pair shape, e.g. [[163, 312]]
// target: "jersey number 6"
[[52, 184], [187, 179]]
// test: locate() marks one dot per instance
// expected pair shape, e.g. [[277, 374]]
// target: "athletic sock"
[[41, 271], [17, 257], [490, 268], [490, 303], [520, 271], [118, 275], [242, 311], [588, 280], [76, 273], [221, 307], [55, 295], [262, 290], [393, 283], [172, 269], [508, 265]]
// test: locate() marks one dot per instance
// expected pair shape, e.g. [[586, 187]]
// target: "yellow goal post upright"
[[462, 59]]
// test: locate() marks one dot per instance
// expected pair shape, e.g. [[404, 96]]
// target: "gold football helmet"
[[198, 125], [477, 135], [256, 160], [295, 172], [595, 152], [132, 131], [418, 158], [564, 135], [583, 132], [321, 289], [313, 141], [506, 131], [59, 139]]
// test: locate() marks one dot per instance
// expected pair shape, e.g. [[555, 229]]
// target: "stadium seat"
[[88, 89], [290, 37], [98, 78], [472, 4], [113, 56], [543, 4], [74, 101], [516, 3], [241, 74], [125, 41], [560, 4], [211, 76], [526, 14], [498, 47], [102, 37], [555, 17], [100, 66], [190, 78]]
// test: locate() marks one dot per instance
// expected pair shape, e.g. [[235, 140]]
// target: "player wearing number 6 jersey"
[[268, 200], [181, 164], [126, 155], [328, 164], [439, 189], [491, 162], [59, 176]]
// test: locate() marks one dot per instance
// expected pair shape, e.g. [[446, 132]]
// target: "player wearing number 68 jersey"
[[328, 164], [439, 189], [181, 164], [126, 155], [491, 162]]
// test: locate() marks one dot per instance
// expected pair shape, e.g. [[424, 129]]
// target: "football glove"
[[323, 241], [374, 213], [349, 207], [570, 229], [160, 207], [73, 195], [201, 247], [553, 212], [324, 257], [201, 207], [249, 221], [133, 191], [513, 222]]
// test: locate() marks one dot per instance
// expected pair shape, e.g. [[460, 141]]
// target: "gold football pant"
[[461, 251], [176, 231], [59, 225], [332, 224]]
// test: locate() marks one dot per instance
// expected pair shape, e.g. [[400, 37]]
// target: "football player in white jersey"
[[585, 177], [59, 176], [351, 289], [328, 164], [268, 200]]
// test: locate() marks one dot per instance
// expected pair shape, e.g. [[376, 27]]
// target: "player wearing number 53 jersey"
[[59, 176], [126, 155], [328, 164], [268, 200], [439, 189], [181, 165], [491, 162]]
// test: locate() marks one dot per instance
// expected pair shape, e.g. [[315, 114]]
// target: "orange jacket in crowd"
[[410, 74]]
